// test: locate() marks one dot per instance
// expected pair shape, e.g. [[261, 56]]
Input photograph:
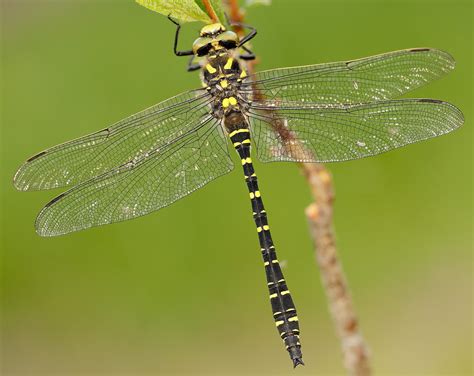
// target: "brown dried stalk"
[[320, 219], [320, 215], [210, 10]]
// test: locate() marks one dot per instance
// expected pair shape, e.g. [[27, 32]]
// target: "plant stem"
[[210, 11], [320, 218]]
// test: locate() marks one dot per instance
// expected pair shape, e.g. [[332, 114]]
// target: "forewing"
[[142, 185], [375, 78], [331, 133], [92, 155]]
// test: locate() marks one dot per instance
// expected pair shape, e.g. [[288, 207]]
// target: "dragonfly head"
[[214, 37]]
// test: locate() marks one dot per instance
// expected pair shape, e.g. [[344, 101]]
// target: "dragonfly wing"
[[331, 133], [375, 78], [92, 155], [142, 185]]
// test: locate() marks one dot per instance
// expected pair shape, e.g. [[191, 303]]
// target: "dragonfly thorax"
[[222, 76]]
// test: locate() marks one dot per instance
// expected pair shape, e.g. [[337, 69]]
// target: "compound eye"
[[228, 39], [201, 46], [204, 50]]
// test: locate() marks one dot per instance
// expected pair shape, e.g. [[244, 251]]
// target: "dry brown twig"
[[320, 219], [210, 10]]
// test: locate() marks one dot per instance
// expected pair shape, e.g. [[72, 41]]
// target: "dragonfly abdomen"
[[284, 311]]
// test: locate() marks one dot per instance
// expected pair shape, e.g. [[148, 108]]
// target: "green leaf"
[[180, 10], [216, 6]]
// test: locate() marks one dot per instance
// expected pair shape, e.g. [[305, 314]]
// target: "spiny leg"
[[249, 36], [192, 66], [284, 311], [249, 54], [176, 37]]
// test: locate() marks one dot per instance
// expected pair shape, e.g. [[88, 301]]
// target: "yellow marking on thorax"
[[228, 65], [211, 69], [243, 74], [231, 101], [224, 84]]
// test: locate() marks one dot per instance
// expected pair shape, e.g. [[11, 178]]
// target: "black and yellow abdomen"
[[222, 75], [283, 308]]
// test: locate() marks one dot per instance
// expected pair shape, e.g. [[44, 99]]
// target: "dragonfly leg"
[[249, 36], [193, 66], [249, 55], [176, 37]]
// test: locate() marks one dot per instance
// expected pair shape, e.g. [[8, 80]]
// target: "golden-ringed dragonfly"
[[315, 113]]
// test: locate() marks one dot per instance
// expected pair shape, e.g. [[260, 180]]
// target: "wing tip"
[[446, 55], [41, 223], [20, 185], [457, 119]]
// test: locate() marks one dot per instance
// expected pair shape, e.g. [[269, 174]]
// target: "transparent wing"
[[142, 185], [92, 155], [331, 133], [370, 79]]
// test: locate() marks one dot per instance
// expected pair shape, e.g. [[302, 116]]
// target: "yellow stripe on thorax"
[[228, 65], [211, 69]]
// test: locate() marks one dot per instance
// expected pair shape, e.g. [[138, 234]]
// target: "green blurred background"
[[182, 291]]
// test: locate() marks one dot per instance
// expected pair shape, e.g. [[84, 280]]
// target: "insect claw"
[[175, 22]]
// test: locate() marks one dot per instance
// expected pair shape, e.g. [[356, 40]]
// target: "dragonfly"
[[315, 113]]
